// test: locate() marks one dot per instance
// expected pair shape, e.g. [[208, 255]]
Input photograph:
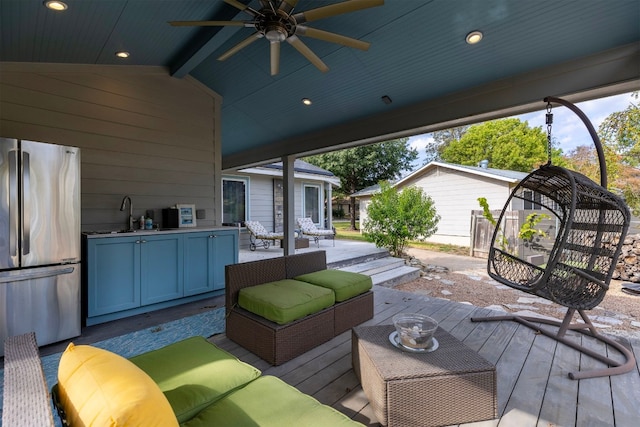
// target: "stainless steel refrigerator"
[[39, 240]]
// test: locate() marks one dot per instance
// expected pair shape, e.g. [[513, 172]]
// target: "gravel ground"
[[464, 279]]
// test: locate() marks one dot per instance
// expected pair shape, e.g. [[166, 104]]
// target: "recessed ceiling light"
[[306, 101], [474, 37], [56, 5], [122, 54]]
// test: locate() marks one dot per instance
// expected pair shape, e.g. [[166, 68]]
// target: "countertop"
[[115, 233]]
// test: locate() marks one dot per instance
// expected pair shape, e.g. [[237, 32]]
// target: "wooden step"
[[391, 278], [375, 266], [387, 271]]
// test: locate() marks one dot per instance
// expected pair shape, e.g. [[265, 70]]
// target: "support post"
[[289, 204]]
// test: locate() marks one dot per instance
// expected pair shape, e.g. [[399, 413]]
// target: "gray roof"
[[497, 172], [501, 174], [301, 166]]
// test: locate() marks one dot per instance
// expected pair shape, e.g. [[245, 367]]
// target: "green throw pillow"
[[193, 373], [269, 402], [345, 284]]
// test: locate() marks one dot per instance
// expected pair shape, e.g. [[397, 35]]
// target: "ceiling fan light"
[[306, 101], [474, 37], [122, 54], [56, 5]]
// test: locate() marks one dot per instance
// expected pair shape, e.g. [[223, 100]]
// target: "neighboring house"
[[344, 204], [256, 194], [455, 190]]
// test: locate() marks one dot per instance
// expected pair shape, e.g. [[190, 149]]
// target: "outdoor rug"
[[204, 324]]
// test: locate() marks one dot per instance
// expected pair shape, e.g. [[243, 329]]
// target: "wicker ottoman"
[[451, 385]]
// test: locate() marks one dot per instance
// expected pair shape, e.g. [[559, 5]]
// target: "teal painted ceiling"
[[418, 54]]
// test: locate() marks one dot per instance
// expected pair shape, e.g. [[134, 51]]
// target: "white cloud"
[[568, 129], [420, 142]]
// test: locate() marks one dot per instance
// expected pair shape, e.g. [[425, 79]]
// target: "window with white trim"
[[235, 199], [311, 202]]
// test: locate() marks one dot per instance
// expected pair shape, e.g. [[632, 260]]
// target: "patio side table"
[[451, 385]]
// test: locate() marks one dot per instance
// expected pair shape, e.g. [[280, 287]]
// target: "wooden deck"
[[533, 386]]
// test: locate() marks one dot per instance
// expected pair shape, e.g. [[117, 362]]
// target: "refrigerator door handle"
[[30, 275], [26, 203], [13, 203]]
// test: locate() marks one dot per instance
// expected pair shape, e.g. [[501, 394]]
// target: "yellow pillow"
[[100, 388]]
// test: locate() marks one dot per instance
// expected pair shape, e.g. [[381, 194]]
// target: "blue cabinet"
[[161, 271], [113, 275], [225, 250], [127, 275], [205, 256]]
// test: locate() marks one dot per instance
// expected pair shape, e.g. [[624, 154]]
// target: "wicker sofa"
[[190, 383], [278, 343]]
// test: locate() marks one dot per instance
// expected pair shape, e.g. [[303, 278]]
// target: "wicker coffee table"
[[450, 385]]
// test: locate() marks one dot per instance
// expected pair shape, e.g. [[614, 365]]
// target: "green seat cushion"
[[269, 402], [193, 373], [286, 300], [345, 284]]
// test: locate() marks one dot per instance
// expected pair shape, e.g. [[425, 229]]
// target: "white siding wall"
[[141, 133], [455, 195], [261, 200]]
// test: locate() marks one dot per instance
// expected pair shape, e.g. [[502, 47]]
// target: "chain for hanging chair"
[[549, 122], [559, 236]]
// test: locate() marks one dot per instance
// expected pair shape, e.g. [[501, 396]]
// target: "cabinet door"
[[161, 268], [225, 250], [198, 263], [113, 275]]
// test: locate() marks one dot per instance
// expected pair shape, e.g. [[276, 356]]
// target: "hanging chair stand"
[[591, 226]]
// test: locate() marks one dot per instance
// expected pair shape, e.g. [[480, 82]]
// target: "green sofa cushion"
[[286, 300], [269, 402], [193, 373], [345, 284]]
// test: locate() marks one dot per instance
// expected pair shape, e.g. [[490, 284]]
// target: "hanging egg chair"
[[565, 246]]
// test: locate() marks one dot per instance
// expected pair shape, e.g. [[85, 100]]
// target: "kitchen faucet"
[[124, 202]]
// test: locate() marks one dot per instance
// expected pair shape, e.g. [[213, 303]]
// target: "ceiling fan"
[[276, 22]]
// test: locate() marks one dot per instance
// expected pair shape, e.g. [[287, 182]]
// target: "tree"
[[396, 217], [620, 131], [506, 144], [441, 140], [363, 166], [620, 137]]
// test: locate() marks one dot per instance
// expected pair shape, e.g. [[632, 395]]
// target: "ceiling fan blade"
[[275, 57], [210, 23], [243, 7], [335, 9], [287, 5], [301, 30], [244, 43], [307, 53]]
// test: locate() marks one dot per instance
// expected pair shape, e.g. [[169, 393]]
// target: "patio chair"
[[308, 228], [573, 268], [258, 235]]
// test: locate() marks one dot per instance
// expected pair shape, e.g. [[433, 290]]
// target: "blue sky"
[[567, 128]]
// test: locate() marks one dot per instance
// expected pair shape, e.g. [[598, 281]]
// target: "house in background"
[[455, 190], [256, 194], [342, 208]]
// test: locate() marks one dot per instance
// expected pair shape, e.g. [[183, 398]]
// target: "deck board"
[[532, 369]]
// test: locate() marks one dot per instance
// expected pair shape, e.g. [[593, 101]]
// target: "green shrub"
[[395, 218]]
